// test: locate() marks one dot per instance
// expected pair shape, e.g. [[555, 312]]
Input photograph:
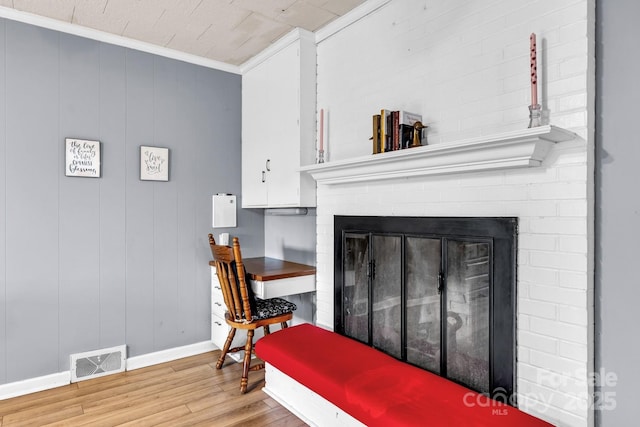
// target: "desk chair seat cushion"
[[272, 307]]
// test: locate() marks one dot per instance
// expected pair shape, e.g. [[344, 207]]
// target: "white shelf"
[[517, 149]]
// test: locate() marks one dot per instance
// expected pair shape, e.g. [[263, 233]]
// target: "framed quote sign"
[[154, 163], [82, 158]]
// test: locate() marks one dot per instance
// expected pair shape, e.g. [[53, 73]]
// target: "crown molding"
[[101, 36]]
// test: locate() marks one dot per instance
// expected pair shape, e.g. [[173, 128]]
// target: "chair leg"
[[244, 381], [225, 349], [284, 325], [267, 331]]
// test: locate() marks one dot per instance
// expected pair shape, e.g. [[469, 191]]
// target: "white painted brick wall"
[[464, 66]]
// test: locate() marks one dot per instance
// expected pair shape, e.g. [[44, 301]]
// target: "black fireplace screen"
[[438, 293]]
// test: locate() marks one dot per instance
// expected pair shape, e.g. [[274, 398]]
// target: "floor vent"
[[98, 363]]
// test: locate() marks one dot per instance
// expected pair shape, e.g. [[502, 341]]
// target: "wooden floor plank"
[[185, 392], [274, 416], [37, 399], [169, 384], [115, 391], [220, 415], [155, 419], [42, 418]]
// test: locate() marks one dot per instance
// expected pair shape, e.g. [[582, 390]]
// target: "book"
[[408, 118], [385, 130], [395, 130], [376, 133], [406, 136]]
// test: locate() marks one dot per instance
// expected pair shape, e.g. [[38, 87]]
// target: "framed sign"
[[154, 163], [82, 158]]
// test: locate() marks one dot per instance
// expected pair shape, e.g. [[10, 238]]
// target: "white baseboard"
[[168, 355], [32, 385]]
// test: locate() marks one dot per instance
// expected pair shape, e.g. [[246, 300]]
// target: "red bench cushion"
[[377, 389]]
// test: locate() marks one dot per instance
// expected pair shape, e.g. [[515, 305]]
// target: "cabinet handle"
[[263, 176], [218, 323], [217, 287], [268, 165], [217, 303]]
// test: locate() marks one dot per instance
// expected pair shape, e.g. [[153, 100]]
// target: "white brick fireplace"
[[463, 66], [554, 350]]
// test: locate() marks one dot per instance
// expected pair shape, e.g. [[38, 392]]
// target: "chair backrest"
[[231, 276]]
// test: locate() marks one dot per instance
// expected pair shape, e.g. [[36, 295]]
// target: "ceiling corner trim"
[[101, 36], [277, 46], [349, 18]]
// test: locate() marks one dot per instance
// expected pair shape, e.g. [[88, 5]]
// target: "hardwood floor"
[[185, 392]]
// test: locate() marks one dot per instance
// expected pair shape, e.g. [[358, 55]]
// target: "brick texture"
[[464, 66]]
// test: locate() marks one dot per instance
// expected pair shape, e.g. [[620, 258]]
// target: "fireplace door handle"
[[440, 282]]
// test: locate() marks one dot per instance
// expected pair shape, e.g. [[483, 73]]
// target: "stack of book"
[[394, 130]]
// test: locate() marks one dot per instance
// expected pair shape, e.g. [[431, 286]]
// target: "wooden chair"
[[244, 311]]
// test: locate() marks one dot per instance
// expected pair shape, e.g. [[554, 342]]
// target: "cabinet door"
[[254, 178], [284, 178], [255, 128], [271, 131]]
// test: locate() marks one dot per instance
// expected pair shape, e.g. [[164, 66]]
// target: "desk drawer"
[[283, 287], [218, 308], [220, 331]]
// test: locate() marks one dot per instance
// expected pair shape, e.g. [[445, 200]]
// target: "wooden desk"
[[271, 277]]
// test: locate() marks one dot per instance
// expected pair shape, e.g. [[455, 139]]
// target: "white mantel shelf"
[[517, 149]]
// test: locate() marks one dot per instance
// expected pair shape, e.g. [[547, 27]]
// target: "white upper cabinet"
[[278, 124]]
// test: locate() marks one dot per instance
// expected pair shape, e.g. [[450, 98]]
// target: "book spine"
[[376, 133], [383, 130], [406, 136], [395, 119], [389, 136]]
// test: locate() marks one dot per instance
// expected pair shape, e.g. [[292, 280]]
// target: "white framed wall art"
[[82, 158], [154, 163]]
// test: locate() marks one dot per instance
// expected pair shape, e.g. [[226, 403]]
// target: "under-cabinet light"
[[286, 211]]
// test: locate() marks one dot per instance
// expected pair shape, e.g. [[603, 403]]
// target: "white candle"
[[534, 69], [321, 129]]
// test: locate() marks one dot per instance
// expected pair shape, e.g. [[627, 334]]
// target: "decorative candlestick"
[[321, 144], [535, 110]]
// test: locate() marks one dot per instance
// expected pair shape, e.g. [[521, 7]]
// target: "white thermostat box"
[[224, 210]]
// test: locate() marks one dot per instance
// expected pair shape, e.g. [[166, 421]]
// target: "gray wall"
[[291, 237], [87, 263], [617, 209], [294, 238]]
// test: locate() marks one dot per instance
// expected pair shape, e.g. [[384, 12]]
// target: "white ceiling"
[[229, 31]]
